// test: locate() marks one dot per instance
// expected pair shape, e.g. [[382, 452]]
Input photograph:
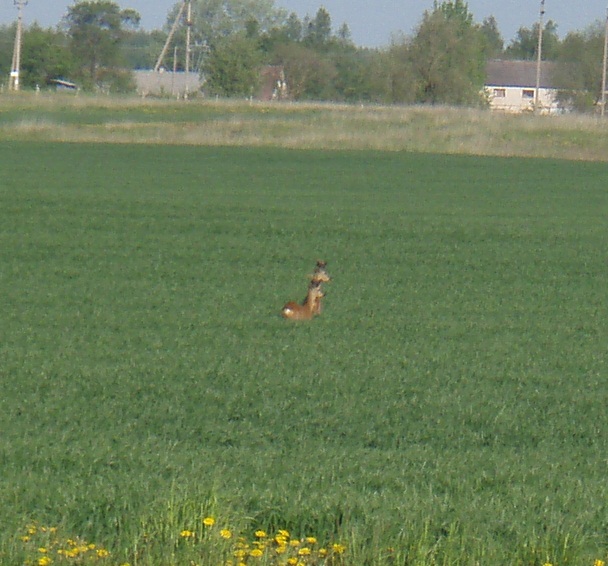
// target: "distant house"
[[511, 86], [166, 83], [272, 83]]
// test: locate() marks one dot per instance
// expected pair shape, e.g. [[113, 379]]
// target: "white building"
[[511, 86], [166, 83]]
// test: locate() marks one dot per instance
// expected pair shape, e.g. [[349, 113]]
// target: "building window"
[[500, 93], [527, 93]]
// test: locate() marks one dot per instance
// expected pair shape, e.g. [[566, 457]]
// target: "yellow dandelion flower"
[[42, 550], [225, 533], [53, 530], [283, 533], [599, 562], [102, 553], [44, 561], [281, 549], [547, 564], [256, 552], [32, 529], [322, 552], [91, 546], [25, 538], [340, 548], [260, 534], [208, 521], [311, 540], [292, 561], [304, 551], [240, 553], [294, 543], [186, 534]]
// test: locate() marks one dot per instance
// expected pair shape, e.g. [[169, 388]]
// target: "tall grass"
[[448, 407], [300, 126]]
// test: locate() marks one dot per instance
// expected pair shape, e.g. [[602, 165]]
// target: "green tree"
[[213, 20], [140, 48], [45, 56], [7, 41], [525, 44], [293, 27], [344, 35], [310, 75], [318, 32], [398, 74], [233, 66], [447, 56], [96, 30], [494, 43], [354, 80], [579, 69]]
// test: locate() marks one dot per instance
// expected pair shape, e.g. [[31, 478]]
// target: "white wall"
[[521, 99]]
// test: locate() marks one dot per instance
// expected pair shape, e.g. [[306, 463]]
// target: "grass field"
[[445, 130], [448, 407]]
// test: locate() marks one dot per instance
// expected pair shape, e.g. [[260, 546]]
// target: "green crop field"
[[448, 406]]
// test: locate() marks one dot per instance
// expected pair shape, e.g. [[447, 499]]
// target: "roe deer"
[[320, 275], [309, 308]]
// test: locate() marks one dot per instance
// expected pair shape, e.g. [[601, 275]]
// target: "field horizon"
[[203, 122]]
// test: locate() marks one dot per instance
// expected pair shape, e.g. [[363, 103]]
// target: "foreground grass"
[[300, 126], [447, 408]]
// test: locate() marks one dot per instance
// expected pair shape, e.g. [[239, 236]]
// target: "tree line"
[[442, 62]]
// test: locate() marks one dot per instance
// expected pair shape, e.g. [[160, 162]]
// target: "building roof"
[[520, 73]]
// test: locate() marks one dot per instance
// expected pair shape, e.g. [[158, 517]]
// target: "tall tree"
[[293, 27], [95, 28], [525, 44], [579, 69], [215, 19], [310, 75], [140, 48], [319, 29], [45, 56], [399, 76], [233, 66], [447, 56], [494, 43], [7, 40]]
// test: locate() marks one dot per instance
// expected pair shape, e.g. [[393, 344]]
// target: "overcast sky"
[[372, 23]]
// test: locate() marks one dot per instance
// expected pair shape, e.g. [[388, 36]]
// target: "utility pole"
[[188, 31], [603, 108], [159, 62], [539, 51], [16, 64], [185, 4]]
